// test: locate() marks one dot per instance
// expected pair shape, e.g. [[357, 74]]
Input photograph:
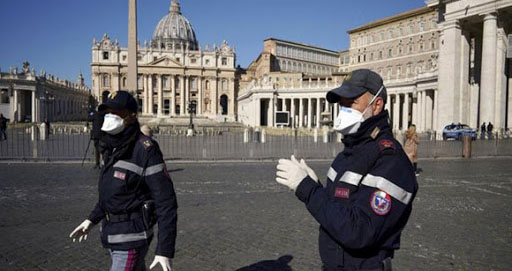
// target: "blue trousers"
[[129, 260]]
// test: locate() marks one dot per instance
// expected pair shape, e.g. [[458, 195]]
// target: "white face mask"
[[349, 120], [113, 124]]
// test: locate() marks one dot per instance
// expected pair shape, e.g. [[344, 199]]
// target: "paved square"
[[234, 216]]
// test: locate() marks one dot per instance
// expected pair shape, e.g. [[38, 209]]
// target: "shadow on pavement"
[[281, 264]]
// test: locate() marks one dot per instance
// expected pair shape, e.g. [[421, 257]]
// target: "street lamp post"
[[191, 110], [47, 99]]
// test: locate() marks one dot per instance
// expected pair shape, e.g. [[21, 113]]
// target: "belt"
[[114, 218]]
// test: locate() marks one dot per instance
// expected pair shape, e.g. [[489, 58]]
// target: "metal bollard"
[[466, 149]]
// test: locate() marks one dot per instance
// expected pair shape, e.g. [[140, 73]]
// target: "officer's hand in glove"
[[81, 231], [310, 171], [290, 173], [165, 262]]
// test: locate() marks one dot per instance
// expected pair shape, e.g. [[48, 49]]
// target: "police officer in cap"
[[370, 187], [135, 192]]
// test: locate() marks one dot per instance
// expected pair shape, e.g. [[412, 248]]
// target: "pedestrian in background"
[[482, 131], [411, 147], [97, 122], [370, 186], [3, 127], [490, 127]]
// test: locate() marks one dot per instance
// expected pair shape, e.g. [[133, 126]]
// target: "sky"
[[56, 35]]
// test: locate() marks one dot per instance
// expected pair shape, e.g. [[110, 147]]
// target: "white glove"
[[81, 231], [290, 173], [165, 262], [303, 165]]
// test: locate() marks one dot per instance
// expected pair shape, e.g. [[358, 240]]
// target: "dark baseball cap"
[[119, 100], [356, 83]]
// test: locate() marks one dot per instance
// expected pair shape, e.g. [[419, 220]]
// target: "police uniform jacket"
[[134, 172], [367, 200]]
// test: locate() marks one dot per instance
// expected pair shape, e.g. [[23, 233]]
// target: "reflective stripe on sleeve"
[[129, 237], [331, 174], [351, 178], [154, 169], [137, 169], [388, 187], [128, 166]]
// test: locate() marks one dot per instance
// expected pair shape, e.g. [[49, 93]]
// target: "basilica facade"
[[174, 71]]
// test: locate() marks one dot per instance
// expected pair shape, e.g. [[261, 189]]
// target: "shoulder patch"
[[145, 141], [380, 202], [387, 146]]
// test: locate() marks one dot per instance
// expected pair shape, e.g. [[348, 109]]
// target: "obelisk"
[[132, 46]]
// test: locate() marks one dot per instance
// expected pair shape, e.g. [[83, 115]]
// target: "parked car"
[[457, 131]]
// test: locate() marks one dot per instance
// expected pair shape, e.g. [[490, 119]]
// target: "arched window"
[[207, 84], [124, 82]]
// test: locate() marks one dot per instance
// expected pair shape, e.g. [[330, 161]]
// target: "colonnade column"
[[405, 115], [301, 113], [215, 104], [200, 97], [292, 111], [160, 90], [150, 96], [146, 94], [310, 113], [434, 121], [396, 113], [34, 106], [182, 95], [173, 95], [318, 112], [428, 111], [488, 77]]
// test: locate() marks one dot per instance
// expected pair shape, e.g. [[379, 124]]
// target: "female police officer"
[[135, 191], [370, 186]]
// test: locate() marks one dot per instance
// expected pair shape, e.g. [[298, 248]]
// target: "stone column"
[[146, 94], [488, 77], [388, 104], [405, 115], [335, 109], [501, 80], [283, 104], [292, 111], [160, 94], [436, 108], [257, 112], [33, 106], [428, 111], [396, 116], [150, 96], [231, 98], [509, 98], [422, 111], [318, 112], [173, 95], [215, 98], [301, 113], [15, 108], [415, 109], [187, 90], [200, 96], [182, 95], [449, 81], [310, 113]]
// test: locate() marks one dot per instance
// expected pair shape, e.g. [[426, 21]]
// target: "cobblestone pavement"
[[233, 216]]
